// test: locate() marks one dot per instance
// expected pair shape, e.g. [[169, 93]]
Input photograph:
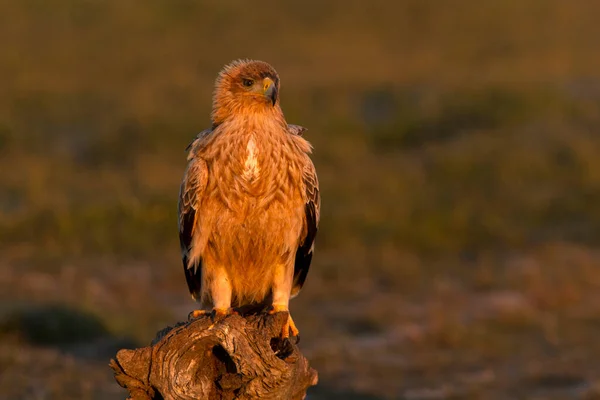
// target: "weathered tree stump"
[[235, 358]]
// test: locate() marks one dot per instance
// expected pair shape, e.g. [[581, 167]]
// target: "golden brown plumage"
[[249, 201]]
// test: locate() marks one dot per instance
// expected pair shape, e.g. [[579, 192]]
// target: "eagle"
[[249, 201]]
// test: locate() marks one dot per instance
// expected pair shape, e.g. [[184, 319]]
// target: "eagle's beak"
[[270, 90]]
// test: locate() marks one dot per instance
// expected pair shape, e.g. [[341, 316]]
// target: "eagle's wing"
[[312, 210], [192, 186]]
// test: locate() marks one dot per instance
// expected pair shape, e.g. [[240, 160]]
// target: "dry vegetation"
[[457, 145]]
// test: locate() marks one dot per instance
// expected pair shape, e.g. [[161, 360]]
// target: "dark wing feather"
[[191, 188], [296, 129], [312, 210]]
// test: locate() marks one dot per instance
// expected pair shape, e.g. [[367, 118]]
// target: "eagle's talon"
[[289, 329], [219, 314], [197, 314]]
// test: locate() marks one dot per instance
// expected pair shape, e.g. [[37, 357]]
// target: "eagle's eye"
[[247, 82]]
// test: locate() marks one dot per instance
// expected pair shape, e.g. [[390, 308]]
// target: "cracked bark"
[[235, 358]]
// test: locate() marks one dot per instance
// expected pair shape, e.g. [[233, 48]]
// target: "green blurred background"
[[458, 149]]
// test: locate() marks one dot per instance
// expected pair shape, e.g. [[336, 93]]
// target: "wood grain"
[[234, 358]]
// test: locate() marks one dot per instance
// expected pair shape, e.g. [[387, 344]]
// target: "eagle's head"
[[245, 87]]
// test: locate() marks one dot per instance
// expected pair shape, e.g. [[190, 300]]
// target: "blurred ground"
[[457, 145]]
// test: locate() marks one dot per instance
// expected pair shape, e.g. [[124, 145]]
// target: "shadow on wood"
[[234, 358]]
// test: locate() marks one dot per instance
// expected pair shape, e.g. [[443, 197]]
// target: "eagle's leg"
[[217, 297], [282, 287], [220, 289]]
